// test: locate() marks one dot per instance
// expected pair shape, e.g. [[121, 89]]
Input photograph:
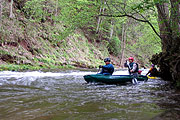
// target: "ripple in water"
[[66, 95]]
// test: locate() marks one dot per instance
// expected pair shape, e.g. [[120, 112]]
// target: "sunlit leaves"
[[143, 6], [160, 1], [77, 13], [34, 9], [38, 10], [73, 14]]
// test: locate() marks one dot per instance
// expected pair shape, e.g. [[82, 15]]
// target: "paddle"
[[100, 66], [134, 80], [98, 70], [127, 63]]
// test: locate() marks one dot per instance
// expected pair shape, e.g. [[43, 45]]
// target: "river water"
[[64, 95]]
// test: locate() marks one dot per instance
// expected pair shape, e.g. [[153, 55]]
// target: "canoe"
[[112, 79]]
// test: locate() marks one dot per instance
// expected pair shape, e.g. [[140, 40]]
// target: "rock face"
[[169, 64]]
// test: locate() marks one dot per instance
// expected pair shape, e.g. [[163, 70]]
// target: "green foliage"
[[69, 13], [61, 17], [38, 10], [142, 6], [141, 39], [34, 9], [115, 46], [13, 67], [4, 52], [76, 14], [146, 44]]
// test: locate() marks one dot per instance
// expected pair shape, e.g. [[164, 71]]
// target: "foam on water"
[[38, 77], [8, 74]]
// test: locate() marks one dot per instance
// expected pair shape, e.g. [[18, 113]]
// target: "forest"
[[39, 34]]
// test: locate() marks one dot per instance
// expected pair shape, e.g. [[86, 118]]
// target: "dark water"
[[66, 96]]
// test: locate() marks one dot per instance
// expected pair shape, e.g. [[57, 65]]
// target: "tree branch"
[[126, 15]]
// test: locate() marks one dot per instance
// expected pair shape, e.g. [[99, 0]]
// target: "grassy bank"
[[28, 45]]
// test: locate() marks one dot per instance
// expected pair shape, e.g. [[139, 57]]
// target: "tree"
[[101, 11], [123, 43], [169, 25]]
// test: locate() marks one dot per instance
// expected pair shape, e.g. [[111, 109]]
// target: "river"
[[64, 95]]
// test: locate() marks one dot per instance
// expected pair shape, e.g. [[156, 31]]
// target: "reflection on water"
[[65, 95]]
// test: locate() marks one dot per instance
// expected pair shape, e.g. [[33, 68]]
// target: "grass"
[[14, 67]]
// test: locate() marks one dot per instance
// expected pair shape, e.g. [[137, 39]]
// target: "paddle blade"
[[134, 81]]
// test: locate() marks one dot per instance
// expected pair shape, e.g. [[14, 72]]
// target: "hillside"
[[32, 39], [28, 44]]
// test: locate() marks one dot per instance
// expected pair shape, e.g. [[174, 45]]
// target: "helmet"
[[107, 60], [131, 58], [152, 65]]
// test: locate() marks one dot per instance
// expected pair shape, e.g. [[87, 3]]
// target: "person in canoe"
[[132, 67], [107, 69], [152, 71]]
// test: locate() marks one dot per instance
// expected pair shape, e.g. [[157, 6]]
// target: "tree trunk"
[[101, 11], [11, 10], [123, 44], [111, 30], [169, 59], [1, 6], [56, 10], [164, 26], [175, 22]]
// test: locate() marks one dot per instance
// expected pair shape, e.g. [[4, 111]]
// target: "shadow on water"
[[65, 95]]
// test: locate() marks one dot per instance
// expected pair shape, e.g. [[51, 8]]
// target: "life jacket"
[[153, 72], [131, 67], [108, 71]]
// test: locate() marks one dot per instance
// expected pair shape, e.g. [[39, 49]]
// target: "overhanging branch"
[[126, 15]]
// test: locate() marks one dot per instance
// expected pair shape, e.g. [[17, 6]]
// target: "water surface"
[[61, 95]]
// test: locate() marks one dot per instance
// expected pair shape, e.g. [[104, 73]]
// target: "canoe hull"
[[112, 79]]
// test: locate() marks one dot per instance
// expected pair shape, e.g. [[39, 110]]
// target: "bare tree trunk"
[[164, 26], [112, 30], [101, 11], [56, 14], [11, 10], [123, 44], [1, 6]]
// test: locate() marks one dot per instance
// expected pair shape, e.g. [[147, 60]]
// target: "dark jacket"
[[107, 69], [153, 72]]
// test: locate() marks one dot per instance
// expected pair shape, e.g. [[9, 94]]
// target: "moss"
[[178, 84]]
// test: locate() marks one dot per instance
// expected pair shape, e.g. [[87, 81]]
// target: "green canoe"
[[112, 79]]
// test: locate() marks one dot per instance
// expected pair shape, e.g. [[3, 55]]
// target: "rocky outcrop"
[[169, 64]]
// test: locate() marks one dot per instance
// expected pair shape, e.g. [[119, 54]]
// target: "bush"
[[115, 46]]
